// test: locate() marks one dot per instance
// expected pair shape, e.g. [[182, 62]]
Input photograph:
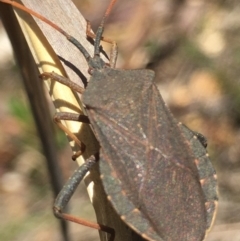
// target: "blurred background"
[[194, 48]]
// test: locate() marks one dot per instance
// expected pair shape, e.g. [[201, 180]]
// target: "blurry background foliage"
[[194, 48]]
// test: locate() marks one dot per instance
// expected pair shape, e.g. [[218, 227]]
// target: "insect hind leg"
[[68, 190]]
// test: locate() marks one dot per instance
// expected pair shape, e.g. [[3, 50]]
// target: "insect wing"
[[207, 174], [148, 159]]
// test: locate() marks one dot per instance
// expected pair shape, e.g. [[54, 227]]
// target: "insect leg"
[[67, 191], [63, 80], [74, 117], [66, 115]]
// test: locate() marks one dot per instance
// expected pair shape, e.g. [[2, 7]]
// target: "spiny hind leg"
[[68, 190]]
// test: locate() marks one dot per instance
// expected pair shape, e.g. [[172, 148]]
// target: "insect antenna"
[[70, 38], [101, 29]]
